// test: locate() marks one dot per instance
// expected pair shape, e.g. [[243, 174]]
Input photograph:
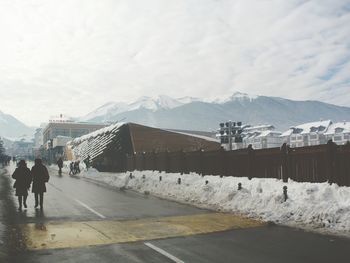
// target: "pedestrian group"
[[74, 168], [38, 176]]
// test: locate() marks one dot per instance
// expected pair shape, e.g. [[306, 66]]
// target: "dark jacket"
[[23, 179], [60, 163], [40, 176]]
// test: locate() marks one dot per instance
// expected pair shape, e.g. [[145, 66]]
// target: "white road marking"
[[164, 253], [89, 208], [79, 202]]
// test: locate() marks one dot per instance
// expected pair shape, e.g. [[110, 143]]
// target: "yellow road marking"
[[76, 234]]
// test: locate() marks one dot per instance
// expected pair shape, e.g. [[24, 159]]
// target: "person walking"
[[40, 176], [60, 165], [23, 180], [71, 168]]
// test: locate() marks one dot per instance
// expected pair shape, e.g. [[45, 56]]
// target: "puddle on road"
[[76, 234]]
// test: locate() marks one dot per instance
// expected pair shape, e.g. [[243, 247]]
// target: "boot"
[[36, 201], [41, 201], [25, 201], [20, 203]]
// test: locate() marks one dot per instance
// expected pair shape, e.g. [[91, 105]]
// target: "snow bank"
[[313, 206]]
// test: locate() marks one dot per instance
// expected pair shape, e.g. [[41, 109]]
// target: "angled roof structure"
[[107, 148]]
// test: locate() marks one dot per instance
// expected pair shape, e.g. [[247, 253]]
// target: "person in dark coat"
[[60, 165], [40, 176], [71, 168], [23, 180]]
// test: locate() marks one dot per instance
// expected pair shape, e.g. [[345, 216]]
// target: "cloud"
[[72, 56]]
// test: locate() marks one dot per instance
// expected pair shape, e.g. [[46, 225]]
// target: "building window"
[[313, 136], [61, 132], [339, 130], [337, 138]]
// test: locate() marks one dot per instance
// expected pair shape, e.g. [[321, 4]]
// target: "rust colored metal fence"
[[319, 163]]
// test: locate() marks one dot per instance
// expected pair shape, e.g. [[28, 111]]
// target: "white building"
[[311, 133], [339, 132], [262, 137]]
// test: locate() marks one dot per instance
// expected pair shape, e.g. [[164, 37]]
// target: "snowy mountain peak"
[[168, 102], [149, 103], [236, 96], [143, 102], [160, 102], [108, 109], [241, 95], [187, 99]]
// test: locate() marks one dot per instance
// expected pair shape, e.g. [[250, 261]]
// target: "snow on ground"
[[314, 206]]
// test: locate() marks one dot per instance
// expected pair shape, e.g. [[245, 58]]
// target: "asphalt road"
[[86, 222]]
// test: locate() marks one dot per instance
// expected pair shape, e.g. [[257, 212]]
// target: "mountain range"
[[190, 113], [12, 128]]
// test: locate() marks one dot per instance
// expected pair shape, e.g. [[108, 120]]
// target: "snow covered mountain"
[[10, 127], [195, 114], [108, 110]]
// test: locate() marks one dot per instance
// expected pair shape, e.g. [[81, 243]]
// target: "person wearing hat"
[[40, 176], [23, 180]]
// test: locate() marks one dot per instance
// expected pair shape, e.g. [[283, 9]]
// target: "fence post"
[[331, 151], [154, 159], [167, 161], [223, 162], [284, 157], [251, 173], [127, 164], [133, 161], [143, 164], [201, 161], [183, 164]]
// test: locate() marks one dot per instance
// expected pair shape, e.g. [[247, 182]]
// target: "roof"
[[259, 127], [126, 138], [259, 134], [345, 126], [148, 139], [99, 132], [195, 134], [267, 133], [306, 128]]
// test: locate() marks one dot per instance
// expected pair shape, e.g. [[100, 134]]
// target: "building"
[[107, 148], [69, 129], [262, 137], [23, 148], [62, 129], [338, 132], [307, 134]]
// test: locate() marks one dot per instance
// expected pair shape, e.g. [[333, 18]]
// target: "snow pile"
[[322, 207]]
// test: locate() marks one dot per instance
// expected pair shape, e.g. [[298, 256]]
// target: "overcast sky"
[[71, 56]]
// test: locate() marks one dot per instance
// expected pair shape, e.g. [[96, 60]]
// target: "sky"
[[72, 56]]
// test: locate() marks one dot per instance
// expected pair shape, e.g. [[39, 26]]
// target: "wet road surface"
[[86, 222]]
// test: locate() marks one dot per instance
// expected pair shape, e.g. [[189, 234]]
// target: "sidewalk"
[[3, 209]]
